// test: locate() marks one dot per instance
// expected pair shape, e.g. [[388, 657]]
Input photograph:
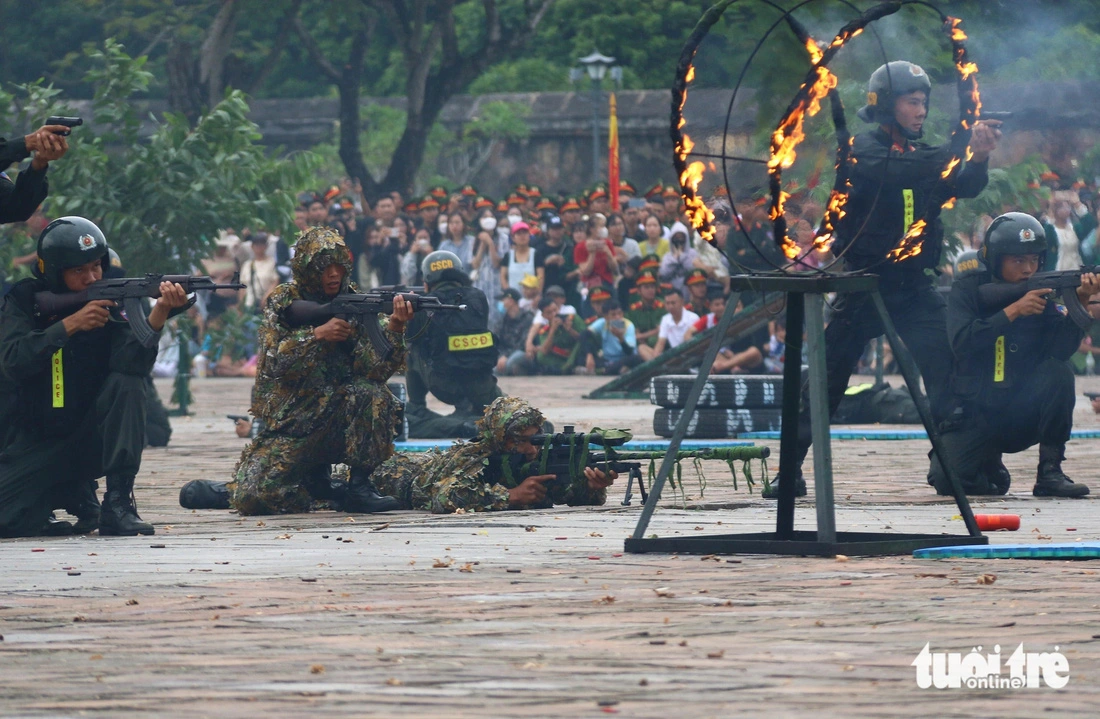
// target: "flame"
[[950, 167], [949, 203], [702, 217], [790, 248], [814, 50], [690, 74], [957, 34], [910, 245], [841, 39], [777, 210]]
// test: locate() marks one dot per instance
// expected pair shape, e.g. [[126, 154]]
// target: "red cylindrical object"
[[992, 522]]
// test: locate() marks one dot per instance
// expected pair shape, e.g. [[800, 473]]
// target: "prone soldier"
[[474, 476]]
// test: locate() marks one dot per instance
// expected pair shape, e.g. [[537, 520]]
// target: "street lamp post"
[[596, 65]]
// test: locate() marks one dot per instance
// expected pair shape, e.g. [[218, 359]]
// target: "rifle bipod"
[[635, 473]]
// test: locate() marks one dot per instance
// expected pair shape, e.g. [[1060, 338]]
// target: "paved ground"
[[537, 613]]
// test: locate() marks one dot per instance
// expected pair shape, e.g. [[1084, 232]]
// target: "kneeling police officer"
[[452, 354], [1011, 385], [79, 412]]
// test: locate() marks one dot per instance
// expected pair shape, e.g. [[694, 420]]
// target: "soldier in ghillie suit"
[[475, 476], [320, 393]]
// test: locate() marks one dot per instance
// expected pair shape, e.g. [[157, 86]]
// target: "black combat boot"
[[1050, 480], [118, 516], [362, 497], [771, 491], [85, 507], [204, 494], [54, 527]]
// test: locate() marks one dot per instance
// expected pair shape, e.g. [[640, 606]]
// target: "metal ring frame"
[[969, 108]]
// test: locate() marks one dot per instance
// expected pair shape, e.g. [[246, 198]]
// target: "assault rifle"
[[129, 291], [567, 453], [303, 313], [995, 296]]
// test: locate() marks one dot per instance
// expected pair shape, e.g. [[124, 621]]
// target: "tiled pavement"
[[536, 613]]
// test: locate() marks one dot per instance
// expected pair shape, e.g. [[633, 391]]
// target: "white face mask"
[[488, 223], [442, 228], [513, 219]]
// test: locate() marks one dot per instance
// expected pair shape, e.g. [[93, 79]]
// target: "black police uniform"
[[452, 355], [891, 187], [79, 415], [19, 199], [1012, 387]]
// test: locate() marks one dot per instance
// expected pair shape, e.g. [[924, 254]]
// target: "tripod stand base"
[[862, 544]]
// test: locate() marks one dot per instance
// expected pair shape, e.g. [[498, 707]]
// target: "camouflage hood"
[[505, 419], [316, 249]]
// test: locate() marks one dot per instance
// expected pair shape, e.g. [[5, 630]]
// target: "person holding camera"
[[614, 348], [19, 199], [680, 258]]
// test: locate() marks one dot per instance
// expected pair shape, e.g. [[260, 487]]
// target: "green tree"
[[163, 198]]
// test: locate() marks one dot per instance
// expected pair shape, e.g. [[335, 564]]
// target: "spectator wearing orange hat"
[[696, 284], [646, 313]]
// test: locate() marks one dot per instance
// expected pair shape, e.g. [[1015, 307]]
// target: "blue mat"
[[641, 445], [1075, 550], [893, 434]]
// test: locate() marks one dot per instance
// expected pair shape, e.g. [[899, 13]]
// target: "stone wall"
[[1057, 120]]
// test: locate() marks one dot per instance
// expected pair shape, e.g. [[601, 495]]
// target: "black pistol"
[[69, 122]]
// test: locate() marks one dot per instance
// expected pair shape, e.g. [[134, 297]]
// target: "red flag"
[[613, 157]]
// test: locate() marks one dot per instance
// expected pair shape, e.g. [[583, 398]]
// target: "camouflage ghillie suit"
[[470, 476], [321, 402]]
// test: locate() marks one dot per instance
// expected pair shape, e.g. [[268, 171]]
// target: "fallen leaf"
[[283, 536], [443, 563], [80, 618], [350, 519], [698, 529], [468, 568], [460, 510], [597, 534], [987, 579], [663, 592], [131, 602], [394, 682], [531, 666], [380, 527], [606, 599], [928, 574], [848, 668], [261, 523], [842, 557], [530, 528], [95, 657], [683, 643], [317, 669], [716, 655], [819, 623]]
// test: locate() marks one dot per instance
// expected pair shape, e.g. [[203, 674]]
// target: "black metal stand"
[[805, 306], [635, 476]]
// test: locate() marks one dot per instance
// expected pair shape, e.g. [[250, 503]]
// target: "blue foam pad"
[[893, 434], [1075, 550], [640, 445]]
